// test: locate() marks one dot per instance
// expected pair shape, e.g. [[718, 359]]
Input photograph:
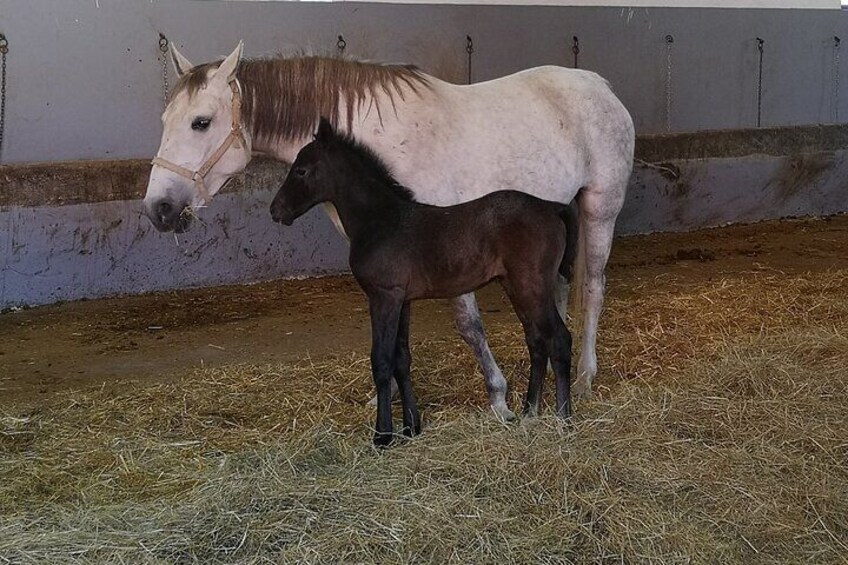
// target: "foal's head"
[[331, 163]]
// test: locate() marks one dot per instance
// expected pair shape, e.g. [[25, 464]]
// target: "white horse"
[[556, 133]]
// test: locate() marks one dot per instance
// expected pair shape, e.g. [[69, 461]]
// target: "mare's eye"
[[201, 124], [300, 172]]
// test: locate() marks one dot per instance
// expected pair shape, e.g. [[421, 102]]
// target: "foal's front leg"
[[403, 362], [385, 308]]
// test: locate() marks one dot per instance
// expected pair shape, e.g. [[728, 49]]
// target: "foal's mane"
[[283, 97], [376, 169]]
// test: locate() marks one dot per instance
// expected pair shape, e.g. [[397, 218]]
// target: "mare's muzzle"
[[167, 215]]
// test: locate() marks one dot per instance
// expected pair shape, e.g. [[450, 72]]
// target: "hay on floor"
[[720, 434]]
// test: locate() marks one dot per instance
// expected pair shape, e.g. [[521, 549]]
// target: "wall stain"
[[798, 173]]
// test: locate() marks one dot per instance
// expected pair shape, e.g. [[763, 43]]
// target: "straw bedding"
[[719, 433]]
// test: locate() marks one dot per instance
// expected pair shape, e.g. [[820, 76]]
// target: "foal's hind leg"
[[470, 326], [559, 349], [537, 347], [533, 304], [403, 360]]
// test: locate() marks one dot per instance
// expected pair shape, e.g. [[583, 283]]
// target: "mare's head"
[[202, 143]]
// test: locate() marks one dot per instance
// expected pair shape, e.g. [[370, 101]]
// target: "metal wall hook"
[[760, 46], [469, 50], [669, 41], [575, 48]]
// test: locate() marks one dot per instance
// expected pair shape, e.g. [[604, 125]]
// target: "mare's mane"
[[283, 97]]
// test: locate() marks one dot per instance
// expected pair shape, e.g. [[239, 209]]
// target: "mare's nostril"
[[163, 209]]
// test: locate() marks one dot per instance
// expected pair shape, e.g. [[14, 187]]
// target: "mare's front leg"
[[385, 308], [470, 326], [403, 361]]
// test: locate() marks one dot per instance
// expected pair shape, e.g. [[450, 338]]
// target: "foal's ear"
[[325, 130]]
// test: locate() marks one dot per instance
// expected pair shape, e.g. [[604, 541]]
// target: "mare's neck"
[[280, 150]]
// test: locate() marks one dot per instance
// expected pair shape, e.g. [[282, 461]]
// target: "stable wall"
[[85, 75], [76, 229], [85, 83]]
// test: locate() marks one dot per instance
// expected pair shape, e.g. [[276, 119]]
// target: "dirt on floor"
[[162, 336]]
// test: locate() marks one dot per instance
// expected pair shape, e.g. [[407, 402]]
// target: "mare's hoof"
[[503, 413], [581, 390], [382, 440]]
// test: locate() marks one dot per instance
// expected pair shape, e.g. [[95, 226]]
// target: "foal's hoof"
[[412, 431], [531, 411], [382, 440], [503, 413]]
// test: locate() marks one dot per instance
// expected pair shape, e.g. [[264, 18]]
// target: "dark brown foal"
[[401, 250]]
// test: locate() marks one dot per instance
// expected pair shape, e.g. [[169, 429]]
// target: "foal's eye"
[[300, 172], [201, 124]]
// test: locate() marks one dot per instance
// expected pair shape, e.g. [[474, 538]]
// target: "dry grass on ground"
[[720, 435]]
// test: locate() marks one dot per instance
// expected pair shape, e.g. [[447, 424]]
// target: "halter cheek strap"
[[234, 138]]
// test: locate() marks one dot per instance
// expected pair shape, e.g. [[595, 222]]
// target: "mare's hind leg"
[[403, 361], [598, 212], [470, 327]]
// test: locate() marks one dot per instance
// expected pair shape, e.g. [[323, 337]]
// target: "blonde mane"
[[284, 97]]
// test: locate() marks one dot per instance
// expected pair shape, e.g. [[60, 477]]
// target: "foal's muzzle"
[[282, 217]]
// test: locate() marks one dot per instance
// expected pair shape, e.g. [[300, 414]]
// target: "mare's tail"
[[572, 229]]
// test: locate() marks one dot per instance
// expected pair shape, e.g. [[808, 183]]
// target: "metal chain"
[[163, 48], [469, 49], [341, 45], [669, 41], [836, 44], [4, 49], [760, 45], [575, 48]]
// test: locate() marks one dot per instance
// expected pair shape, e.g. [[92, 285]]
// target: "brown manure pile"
[[719, 435]]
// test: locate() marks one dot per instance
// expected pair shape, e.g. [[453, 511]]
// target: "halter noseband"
[[235, 136]]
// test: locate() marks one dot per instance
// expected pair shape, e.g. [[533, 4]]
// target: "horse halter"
[[235, 136]]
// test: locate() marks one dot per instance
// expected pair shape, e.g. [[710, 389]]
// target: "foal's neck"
[[365, 197]]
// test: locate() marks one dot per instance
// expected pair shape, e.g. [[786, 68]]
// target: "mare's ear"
[[181, 64], [325, 130], [228, 68]]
